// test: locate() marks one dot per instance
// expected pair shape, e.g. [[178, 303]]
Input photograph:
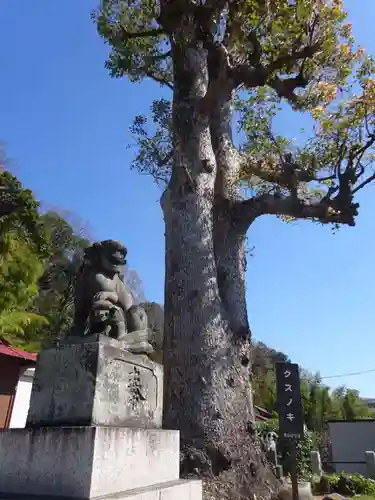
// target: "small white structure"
[[22, 399], [350, 439]]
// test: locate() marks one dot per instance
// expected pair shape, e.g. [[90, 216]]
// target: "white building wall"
[[349, 441], [22, 399]]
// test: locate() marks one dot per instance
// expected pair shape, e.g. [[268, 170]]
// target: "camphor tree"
[[215, 55]]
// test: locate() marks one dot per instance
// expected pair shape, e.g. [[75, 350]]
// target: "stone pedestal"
[[86, 462], [93, 431], [96, 383]]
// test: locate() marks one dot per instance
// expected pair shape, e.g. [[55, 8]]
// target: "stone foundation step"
[[172, 490], [85, 462]]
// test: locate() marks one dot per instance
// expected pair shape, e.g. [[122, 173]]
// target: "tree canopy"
[[300, 52]]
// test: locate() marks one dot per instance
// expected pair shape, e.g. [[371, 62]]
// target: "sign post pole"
[[293, 472], [289, 408]]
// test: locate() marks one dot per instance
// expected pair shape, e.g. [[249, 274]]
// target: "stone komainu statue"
[[103, 304]]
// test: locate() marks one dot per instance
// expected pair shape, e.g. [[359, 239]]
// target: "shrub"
[[357, 483]]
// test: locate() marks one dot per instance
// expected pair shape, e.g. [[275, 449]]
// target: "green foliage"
[[300, 52], [154, 152], [319, 403], [15, 326], [20, 269], [263, 380], [359, 484], [134, 55], [139, 39], [19, 213], [23, 249], [55, 299]]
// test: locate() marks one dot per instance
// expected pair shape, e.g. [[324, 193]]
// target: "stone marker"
[[370, 464], [94, 424], [316, 463], [279, 471]]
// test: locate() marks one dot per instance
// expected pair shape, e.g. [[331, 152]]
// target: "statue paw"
[[140, 348], [137, 342]]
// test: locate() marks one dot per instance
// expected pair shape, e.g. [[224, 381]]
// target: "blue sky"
[[65, 125]]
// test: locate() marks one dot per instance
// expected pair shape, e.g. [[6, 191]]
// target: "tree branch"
[[286, 87], [127, 35], [266, 204], [290, 59], [364, 183], [158, 79], [149, 60], [259, 75], [284, 169]]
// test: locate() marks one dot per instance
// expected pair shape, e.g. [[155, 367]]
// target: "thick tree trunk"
[[229, 234], [206, 351]]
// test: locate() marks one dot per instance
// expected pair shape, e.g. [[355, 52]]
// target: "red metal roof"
[[7, 350], [262, 414]]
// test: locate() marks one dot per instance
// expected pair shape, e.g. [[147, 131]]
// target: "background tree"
[[19, 213], [20, 269], [264, 360], [23, 248], [40, 255], [301, 52], [134, 283], [319, 402], [55, 297]]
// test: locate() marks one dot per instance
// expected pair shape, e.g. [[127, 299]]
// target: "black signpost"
[[289, 408]]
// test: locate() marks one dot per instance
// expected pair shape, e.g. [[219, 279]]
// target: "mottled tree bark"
[[229, 231], [207, 339]]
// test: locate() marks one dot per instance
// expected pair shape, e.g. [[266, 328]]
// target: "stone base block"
[[96, 383], [174, 490], [85, 462]]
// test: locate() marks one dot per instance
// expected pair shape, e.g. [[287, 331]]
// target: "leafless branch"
[[364, 183]]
